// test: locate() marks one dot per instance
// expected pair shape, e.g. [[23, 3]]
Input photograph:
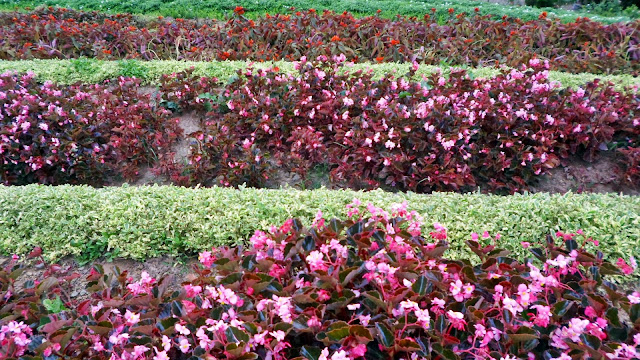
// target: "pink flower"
[[512, 306], [132, 318], [181, 329], [626, 269], [278, 335], [543, 315], [634, 298], [359, 351], [456, 319], [192, 291], [184, 345], [160, 355], [316, 261]]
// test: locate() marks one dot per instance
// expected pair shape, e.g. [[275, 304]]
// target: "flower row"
[[369, 286], [78, 134], [581, 46], [452, 133]]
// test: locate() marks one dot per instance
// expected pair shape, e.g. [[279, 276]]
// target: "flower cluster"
[[581, 46], [78, 134], [440, 133], [369, 286]]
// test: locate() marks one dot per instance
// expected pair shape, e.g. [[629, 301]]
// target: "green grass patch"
[[148, 221], [95, 71], [255, 8]]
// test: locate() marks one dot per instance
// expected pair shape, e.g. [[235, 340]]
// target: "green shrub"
[[389, 8], [67, 72], [148, 221]]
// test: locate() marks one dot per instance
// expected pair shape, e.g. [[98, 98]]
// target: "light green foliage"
[[254, 8], [94, 71], [141, 222]]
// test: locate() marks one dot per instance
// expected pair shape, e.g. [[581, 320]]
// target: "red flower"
[[433, 10], [476, 9], [239, 10], [380, 59], [335, 38], [451, 10], [395, 42], [378, 11], [543, 15], [106, 51]]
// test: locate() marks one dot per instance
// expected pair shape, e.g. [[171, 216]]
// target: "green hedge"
[[141, 222], [94, 71], [389, 8]]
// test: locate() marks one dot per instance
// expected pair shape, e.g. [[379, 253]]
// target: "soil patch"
[[577, 175], [175, 270]]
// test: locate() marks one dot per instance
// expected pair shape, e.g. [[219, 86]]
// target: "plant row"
[[473, 40], [79, 134], [370, 285], [144, 222], [453, 133], [385, 8], [439, 134], [92, 71]]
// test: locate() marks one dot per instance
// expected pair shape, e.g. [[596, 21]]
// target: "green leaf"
[[420, 285], [236, 335], [310, 352], [54, 306], [386, 336]]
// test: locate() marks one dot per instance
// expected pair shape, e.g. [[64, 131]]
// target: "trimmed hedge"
[[91, 71], [148, 221], [255, 8]]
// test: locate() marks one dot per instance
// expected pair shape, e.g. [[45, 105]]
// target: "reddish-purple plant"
[[78, 134], [371, 286], [581, 46], [441, 133]]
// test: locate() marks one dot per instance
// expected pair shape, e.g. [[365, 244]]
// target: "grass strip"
[[389, 8], [148, 221], [90, 71]]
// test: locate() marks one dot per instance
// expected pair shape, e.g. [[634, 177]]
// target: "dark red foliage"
[[438, 134], [581, 46], [87, 134]]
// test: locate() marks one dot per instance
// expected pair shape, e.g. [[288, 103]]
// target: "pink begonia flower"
[[278, 335], [634, 298], [624, 267], [512, 306], [563, 356], [160, 355], [358, 351], [181, 329], [543, 315], [456, 319], [166, 343], [316, 261], [132, 318]]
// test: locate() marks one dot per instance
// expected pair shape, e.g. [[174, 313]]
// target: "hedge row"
[[89, 71], [142, 222], [464, 39], [255, 8]]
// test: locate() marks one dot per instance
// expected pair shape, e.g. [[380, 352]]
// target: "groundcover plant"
[[471, 40], [368, 286]]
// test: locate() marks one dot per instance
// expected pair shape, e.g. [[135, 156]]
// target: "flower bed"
[[582, 46], [369, 286], [451, 134], [87, 134], [442, 133]]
